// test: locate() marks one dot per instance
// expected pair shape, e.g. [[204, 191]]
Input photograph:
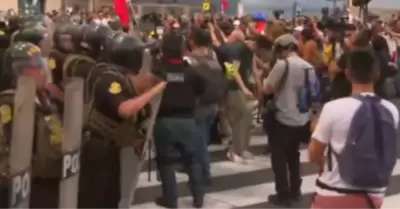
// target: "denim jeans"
[[204, 120], [171, 135]]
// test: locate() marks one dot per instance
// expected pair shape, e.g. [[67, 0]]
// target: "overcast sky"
[[311, 7], [314, 4]]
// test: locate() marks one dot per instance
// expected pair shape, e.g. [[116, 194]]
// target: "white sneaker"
[[234, 157]]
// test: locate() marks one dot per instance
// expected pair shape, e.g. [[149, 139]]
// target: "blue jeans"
[[171, 135], [204, 120]]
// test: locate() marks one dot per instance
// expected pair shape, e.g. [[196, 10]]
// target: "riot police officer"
[[87, 51], [115, 120], [23, 58], [66, 38], [34, 31]]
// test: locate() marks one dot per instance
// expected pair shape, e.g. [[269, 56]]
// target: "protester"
[[349, 178], [209, 73]]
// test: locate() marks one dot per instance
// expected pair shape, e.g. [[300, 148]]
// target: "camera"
[[359, 3], [278, 13], [335, 24]]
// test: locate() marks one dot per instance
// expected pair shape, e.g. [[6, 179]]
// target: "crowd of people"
[[325, 83]]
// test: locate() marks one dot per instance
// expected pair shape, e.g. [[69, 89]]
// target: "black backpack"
[[210, 69]]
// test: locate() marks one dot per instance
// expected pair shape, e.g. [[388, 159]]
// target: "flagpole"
[[133, 15]]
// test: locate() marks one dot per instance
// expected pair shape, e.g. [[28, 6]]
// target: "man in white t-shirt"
[[332, 129]]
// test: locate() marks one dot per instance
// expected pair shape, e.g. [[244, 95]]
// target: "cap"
[[286, 40], [259, 16]]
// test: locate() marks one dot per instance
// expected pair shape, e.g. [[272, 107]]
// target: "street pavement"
[[244, 185]]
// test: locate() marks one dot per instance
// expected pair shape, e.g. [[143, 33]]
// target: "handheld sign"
[[71, 143], [131, 164], [21, 143], [206, 6]]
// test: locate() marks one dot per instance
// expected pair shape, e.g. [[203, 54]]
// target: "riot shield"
[[72, 130], [131, 164], [22, 142]]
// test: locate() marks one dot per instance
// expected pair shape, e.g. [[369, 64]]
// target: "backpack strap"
[[283, 79], [308, 86]]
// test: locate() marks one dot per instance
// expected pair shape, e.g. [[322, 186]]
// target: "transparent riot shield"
[[22, 142], [131, 164], [72, 130]]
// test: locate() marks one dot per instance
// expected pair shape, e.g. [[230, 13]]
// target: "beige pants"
[[240, 120]]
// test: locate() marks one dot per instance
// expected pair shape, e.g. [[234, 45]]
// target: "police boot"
[[295, 190]]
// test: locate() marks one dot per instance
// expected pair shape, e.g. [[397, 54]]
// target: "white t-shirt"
[[333, 127]]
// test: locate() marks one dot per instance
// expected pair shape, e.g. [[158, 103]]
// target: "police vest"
[[71, 67], [47, 155], [127, 133]]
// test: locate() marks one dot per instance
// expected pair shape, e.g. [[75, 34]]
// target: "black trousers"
[[4, 195], [284, 142], [44, 193], [99, 183]]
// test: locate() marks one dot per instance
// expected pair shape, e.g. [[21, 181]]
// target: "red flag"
[[224, 5], [122, 10]]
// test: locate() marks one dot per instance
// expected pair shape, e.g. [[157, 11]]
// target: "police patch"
[[5, 114], [55, 128], [206, 6], [33, 50], [115, 88], [52, 64]]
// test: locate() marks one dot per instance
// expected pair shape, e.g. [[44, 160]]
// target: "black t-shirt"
[[224, 56], [341, 87]]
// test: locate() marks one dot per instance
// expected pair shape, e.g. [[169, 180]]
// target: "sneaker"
[[234, 157]]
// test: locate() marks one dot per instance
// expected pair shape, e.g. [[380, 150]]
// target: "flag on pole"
[[224, 5], [122, 10], [240, 9]]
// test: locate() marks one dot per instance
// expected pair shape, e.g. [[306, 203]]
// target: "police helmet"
[[21, 56], [67, 38], [126, 51], [95, 36], [32, 32]]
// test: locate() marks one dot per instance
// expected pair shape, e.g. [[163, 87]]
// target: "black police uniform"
[[175, 127], [46, 169], [100, 160]]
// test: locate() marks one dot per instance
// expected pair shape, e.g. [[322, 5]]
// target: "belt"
[[344, 190], [98, 137], [365, 193]]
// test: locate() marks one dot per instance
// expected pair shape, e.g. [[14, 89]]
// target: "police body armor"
[[47, 156], [127, 133], [71, 66]]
